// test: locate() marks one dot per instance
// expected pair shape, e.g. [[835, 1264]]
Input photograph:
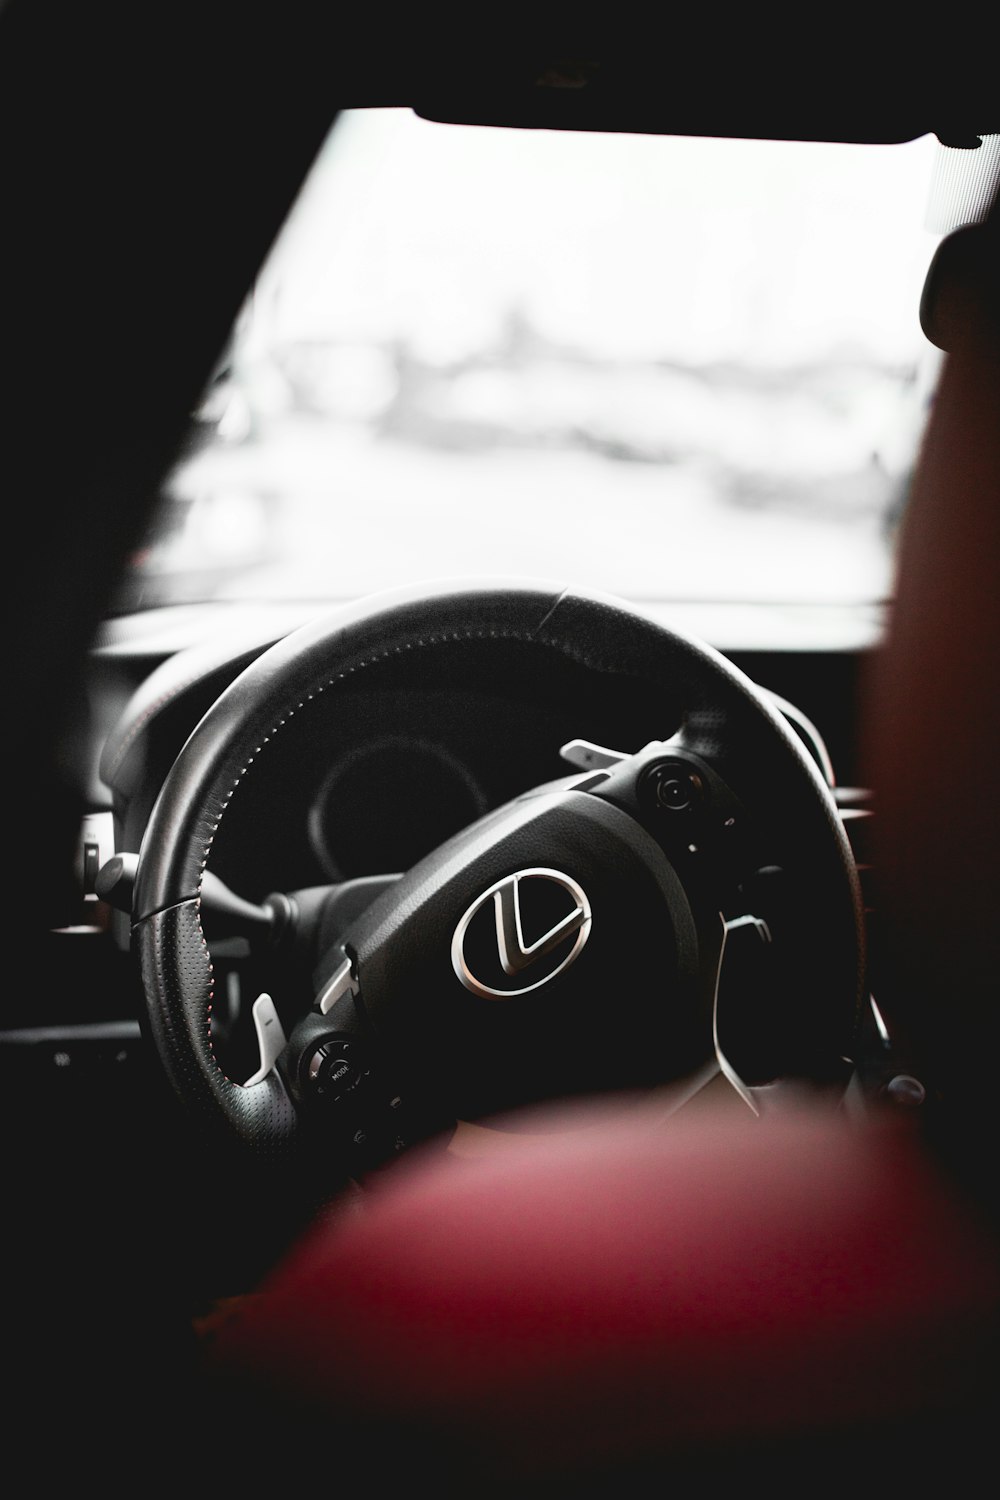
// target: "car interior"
[[503, 996]]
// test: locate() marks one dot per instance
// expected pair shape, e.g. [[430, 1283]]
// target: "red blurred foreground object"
[[619, 1294]]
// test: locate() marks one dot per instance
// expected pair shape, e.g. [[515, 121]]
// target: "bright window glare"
[[637, 247], [673, 368]]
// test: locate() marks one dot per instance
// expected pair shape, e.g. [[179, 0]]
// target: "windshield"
[[672, 368]]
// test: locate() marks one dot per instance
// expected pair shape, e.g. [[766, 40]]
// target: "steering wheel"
[[567, 944]]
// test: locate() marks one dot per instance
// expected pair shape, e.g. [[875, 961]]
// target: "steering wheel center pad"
[[615, 1002]]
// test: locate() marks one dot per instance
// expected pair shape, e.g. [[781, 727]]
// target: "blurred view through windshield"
[[671, 368]]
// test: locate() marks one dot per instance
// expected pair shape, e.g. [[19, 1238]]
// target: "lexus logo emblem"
[[512, 898]]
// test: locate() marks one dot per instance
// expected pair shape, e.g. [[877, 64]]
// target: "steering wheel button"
[[341, 1079], [332, 1071]]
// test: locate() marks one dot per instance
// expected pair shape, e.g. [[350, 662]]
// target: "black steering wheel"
[[568, 943]]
